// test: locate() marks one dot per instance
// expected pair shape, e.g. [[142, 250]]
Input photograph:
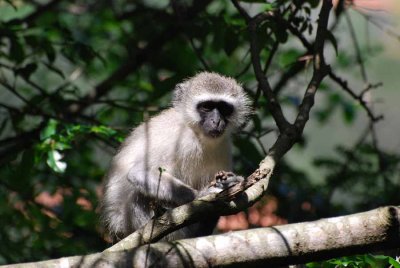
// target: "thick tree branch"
[[374, 230]]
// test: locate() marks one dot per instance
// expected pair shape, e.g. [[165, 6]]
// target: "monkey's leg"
[[161, 186]]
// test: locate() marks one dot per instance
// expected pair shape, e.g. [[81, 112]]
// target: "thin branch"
[[14, 92], [263, 83], [357, 48], [198, 54], [271, 56], [300, 65], [245, 69], [320, 67], [369, 87], [293, 71], [340, 176], [356, 97], [10, 108], [242, 11], [382, 28]]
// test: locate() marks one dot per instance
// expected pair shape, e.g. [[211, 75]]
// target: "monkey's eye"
[[206, 106], [225, 109]]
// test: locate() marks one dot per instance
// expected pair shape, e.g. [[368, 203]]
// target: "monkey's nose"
[[217, 123]]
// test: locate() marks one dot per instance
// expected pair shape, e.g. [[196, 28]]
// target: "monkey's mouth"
[[214, 133]]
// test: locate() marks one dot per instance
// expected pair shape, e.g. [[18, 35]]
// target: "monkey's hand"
[[226, 179], [223, 180]]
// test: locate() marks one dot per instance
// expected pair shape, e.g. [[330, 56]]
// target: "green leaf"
[[313, 3], [281, 34], [27, 161], [230, 41], [54, 161], [288, 57], [103, 130], [49, 50], [394, 263], [49, 130], [3, 124], [27, 70], [269, 6], [16, 51], [54, 69], [348, 112], [62, 146], [11, 3]]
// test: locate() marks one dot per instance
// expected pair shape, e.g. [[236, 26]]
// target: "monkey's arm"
[[162, 186]]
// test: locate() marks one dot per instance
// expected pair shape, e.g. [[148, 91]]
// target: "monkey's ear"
[[179, 91]]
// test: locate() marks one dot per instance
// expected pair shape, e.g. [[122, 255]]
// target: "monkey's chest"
[[199, 172]]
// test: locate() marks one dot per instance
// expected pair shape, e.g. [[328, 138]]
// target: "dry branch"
[[377, 229]]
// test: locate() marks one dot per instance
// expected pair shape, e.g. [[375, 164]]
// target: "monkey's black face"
[[214, 117]]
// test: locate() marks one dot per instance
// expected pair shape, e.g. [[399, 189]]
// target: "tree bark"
[[272, 246]]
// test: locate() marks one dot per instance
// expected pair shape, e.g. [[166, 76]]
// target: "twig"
[[381, 27], [271, 56], [198, 54], [340, 175], [242, 11], [298, 67], [263, 83], [369, 87], [358, 98], [320, 67], [357, 48], [14, 92]]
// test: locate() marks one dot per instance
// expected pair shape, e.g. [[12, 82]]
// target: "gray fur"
[[173, 141]]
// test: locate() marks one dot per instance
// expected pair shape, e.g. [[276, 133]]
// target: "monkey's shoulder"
[[164, 126], [160, 136]]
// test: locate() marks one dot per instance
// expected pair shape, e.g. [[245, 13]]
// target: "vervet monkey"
[[172, 158]]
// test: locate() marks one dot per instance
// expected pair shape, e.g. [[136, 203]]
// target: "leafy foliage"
[[358, 261]]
